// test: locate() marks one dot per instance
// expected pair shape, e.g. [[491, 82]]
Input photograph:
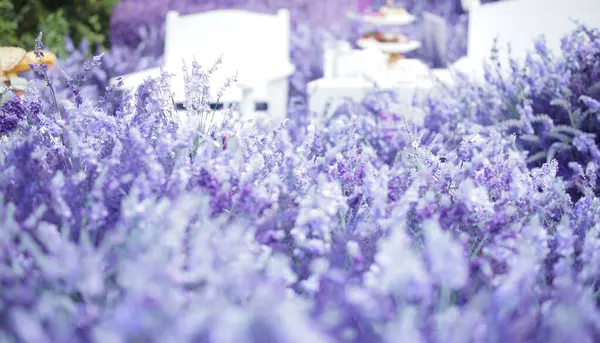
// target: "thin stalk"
[[214, 111], [176, 112]]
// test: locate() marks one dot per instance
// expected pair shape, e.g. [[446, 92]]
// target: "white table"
[[411, 78], [324, 92]]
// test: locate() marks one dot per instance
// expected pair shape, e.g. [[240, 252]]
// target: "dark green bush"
[[22, 20]]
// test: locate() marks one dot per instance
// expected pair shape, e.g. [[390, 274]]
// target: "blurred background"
[[131, 35], [118, 22], [131, 32]]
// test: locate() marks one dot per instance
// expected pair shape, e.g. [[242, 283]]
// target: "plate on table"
[[401, 48], [392, 19], [385, 37]]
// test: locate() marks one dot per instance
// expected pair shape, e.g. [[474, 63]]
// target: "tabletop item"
[[389, 48], [10, 58], [394, 58], [392, 44], [390, 11], [14, 61], [386, 37], [381, 19]]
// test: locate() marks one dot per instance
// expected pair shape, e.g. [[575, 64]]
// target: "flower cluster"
[[355, 226], [551, 103], [86, 73]]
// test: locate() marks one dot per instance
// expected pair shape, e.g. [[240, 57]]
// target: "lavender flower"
[[355, 227], [13, 111], [549, 103]]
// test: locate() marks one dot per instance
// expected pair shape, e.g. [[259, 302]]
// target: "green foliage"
[[22, 20]]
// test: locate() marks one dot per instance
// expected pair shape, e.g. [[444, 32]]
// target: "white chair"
[[435, 39], [332, 52], [467, 4], [254, 46], [520, 23]]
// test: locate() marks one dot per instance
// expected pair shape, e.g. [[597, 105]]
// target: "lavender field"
[[118, 224]]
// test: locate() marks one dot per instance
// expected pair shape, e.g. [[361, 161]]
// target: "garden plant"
[[119, 224]]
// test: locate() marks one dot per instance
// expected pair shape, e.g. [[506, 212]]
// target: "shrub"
[[22, 20], [93, 80], [130, 227], [550, 102]]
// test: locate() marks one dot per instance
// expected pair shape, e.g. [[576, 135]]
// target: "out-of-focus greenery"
[[22, 20]]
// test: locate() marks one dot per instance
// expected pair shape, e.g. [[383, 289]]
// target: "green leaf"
[[540, 156], [561, 103], [530, 138], [22, 20], [559, 136], [542, 118], [593, 89], [556, 148], [566, 92], [579, 117], [511, 123], [565, 129]]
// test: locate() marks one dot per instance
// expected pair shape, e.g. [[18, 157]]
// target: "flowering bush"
[[354, 227], [83, 77], [552, 104]]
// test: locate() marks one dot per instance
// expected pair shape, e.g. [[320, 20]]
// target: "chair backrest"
[[249, 42], [520, 22], [467, 4], [436, 39], [334, 52]]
